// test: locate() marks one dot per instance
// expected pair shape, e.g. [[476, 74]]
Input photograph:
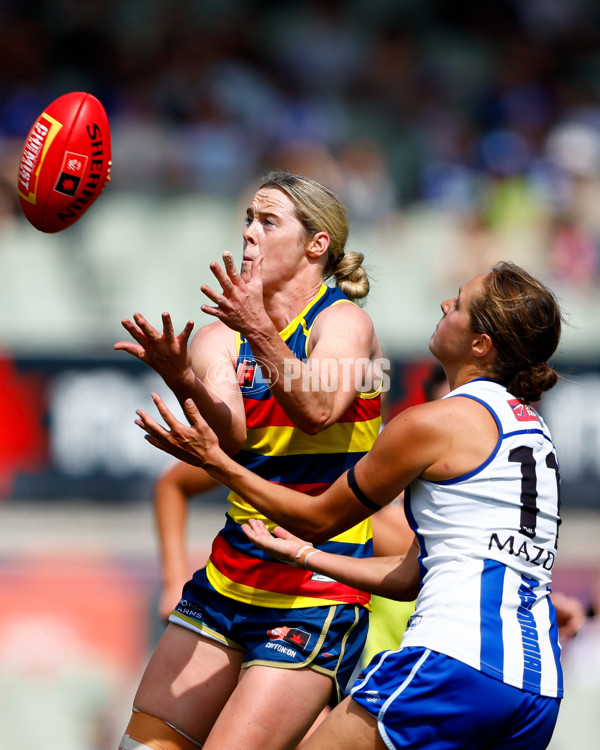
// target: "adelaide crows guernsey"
[[279, 451], [488, 543]]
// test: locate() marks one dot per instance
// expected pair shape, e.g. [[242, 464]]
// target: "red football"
[[66, 161]]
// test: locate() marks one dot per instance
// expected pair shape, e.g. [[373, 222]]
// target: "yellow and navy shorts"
[[328, 639]]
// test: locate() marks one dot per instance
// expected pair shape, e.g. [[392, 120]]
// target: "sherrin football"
[[65, 163]]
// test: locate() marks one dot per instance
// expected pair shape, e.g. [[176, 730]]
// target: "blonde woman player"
[[479, 664], [288, 376]]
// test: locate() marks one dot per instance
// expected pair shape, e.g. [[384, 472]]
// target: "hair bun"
[[532, 381]]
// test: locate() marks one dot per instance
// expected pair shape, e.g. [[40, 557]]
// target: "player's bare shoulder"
[[451, 416], [467, 411], [345, 320], [461, 431], [345, 309], [213, 343]]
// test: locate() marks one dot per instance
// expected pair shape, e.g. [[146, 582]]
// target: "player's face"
[[454, 334], [273, 231]]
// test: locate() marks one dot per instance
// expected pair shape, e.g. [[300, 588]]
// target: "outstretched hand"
[[240, 305], [283, 546], [166, 353], [193, 443]]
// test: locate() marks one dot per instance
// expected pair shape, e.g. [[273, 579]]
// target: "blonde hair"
[[319, 209]]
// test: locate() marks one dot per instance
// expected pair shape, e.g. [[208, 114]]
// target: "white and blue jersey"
[[488, 542]]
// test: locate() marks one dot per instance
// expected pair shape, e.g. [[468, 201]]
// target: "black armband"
[[358, 493]]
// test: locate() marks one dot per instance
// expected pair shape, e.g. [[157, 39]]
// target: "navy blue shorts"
[[328, 639], [422, 699]]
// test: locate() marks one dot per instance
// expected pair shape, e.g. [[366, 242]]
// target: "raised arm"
[[407, 446], [204, 372], [439, 440], [217, 392], [344, 354], [344, 358]]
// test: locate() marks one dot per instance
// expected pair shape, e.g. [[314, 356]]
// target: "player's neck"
[[286, 302], [460, 375]]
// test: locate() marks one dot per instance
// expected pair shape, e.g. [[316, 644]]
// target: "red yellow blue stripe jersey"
[[282, 453]]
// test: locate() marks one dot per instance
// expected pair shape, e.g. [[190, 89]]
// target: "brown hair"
[[319, 209], [523, 319]]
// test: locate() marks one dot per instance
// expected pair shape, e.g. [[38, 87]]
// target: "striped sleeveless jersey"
[[279, 451], [488, 544]]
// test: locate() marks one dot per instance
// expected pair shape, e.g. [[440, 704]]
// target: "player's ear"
[[318, 245], [482, 345]]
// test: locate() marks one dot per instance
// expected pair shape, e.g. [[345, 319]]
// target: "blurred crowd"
[[487, 111], [486, 114]]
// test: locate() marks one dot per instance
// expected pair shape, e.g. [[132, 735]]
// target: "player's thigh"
[[315, 725], [188, 680], [271, 708], [349, 727]]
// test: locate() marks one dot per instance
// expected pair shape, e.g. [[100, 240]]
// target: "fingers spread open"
[[220, 274], [187, 331], [193, 413], [165, 412], [210, 293], [231, 268], [133, 330], [168, 326], [145, 326], [150, 425]]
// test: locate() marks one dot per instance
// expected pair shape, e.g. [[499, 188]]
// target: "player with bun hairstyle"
[[479, 664], [318, 207], [525, 334], [289, 377]]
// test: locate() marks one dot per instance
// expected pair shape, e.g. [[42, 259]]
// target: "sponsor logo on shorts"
[[189, 609], [296, 637], [372, 696], [282, 649]]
